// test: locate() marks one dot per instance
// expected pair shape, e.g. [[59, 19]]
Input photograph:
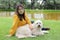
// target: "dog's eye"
[[36, 23]]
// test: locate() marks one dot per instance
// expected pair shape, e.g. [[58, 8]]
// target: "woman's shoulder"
[[26, 14], [15, 15]]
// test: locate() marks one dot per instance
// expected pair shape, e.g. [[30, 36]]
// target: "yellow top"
[[17, 23]]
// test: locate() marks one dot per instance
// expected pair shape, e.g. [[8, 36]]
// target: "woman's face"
[[21, 10]]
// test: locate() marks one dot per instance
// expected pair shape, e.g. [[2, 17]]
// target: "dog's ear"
[[41, 25], [34, 25], [32, 22]]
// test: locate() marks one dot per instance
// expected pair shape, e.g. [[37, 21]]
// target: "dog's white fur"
[[38, 30], [24, 31]]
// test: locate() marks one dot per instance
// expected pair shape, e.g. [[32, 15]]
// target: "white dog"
[[23, 32], [37, 28]]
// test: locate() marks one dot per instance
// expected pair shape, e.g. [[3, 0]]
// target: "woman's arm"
[[14, 26], [28, 21]]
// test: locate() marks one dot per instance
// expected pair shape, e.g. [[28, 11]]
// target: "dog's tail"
[[46, 29]]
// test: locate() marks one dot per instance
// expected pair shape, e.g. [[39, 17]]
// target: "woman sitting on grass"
[[20, 19]]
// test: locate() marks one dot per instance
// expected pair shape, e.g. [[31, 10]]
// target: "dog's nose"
[[39, 26]]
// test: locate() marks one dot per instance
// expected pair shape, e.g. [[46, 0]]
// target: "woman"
[[20, 19]]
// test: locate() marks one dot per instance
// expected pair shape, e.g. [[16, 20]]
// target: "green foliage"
[[11, 4]]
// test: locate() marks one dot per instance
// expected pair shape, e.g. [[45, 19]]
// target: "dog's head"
[[38, 24]]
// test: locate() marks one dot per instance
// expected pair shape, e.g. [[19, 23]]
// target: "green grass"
[[42, 10], [35, 11], [6, 23]]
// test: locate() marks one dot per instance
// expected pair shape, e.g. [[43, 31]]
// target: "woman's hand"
[[30, 26], [8, 35]]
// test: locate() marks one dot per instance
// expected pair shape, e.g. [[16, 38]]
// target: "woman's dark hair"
[[20, 16]]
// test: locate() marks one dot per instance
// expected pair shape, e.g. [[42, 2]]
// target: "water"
[[42, 15]]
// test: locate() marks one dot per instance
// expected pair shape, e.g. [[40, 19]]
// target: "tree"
[[32, 3]]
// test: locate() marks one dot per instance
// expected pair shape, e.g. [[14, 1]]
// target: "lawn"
[[33, 11], [6, 22]]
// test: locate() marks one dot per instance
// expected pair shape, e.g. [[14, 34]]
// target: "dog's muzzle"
[[39, 26]]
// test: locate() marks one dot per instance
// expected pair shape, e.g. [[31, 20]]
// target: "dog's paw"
[[41, 33], [21, 37], [45, 32], [32, 36]]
